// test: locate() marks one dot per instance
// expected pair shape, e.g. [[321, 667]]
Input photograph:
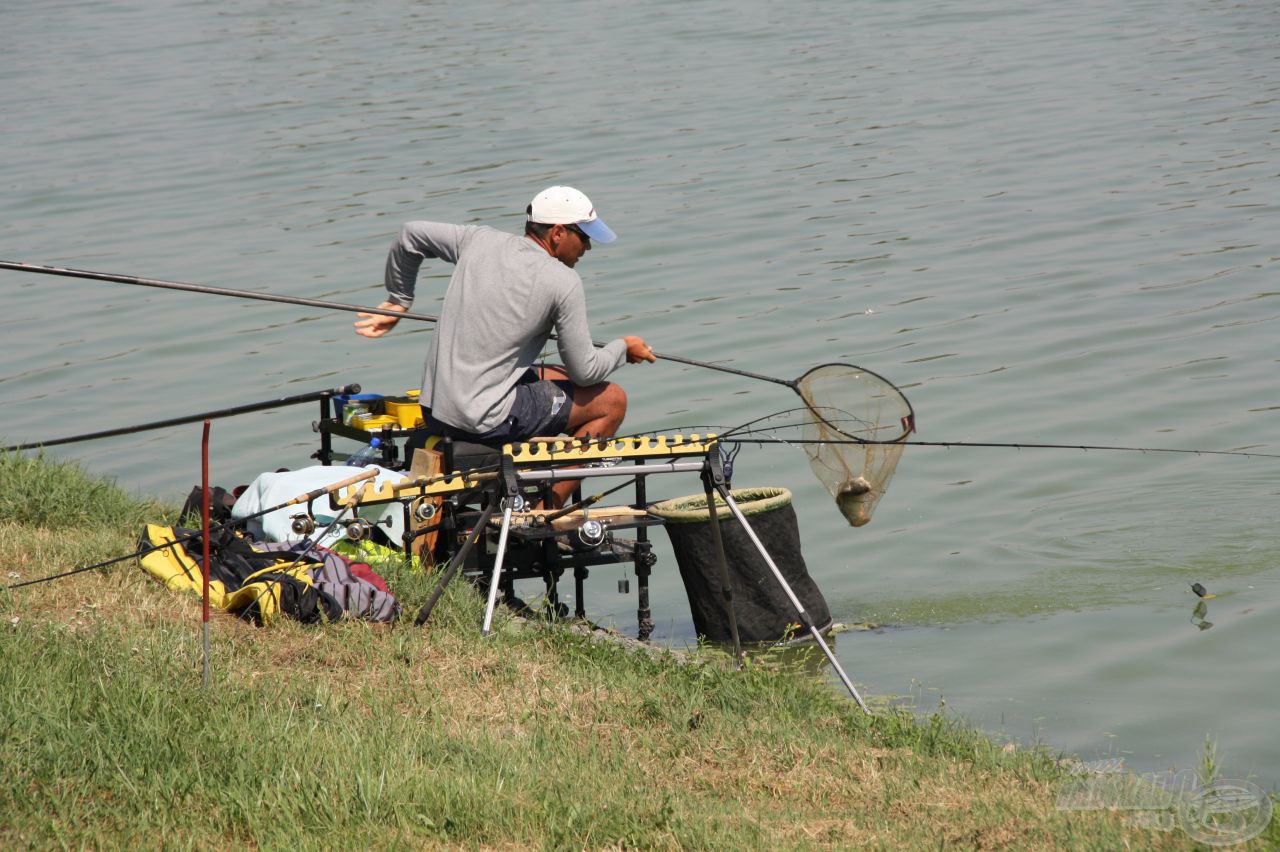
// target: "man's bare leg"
[[597, 412]]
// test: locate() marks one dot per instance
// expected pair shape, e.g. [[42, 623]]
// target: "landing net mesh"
[[847, 407]]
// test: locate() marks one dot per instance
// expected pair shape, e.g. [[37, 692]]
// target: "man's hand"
[[638, 350], [376, 325]]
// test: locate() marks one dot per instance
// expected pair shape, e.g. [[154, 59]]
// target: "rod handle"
[[424, 481], [370, 473]]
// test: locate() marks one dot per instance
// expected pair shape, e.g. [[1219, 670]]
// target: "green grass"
[[60, 495], [356, 736]]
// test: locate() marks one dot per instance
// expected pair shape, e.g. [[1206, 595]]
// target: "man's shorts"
[[541, 407]]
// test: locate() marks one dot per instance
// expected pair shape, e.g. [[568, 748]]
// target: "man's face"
[[569, 244]]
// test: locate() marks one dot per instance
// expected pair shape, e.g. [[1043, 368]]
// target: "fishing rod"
[[17, 266], [746, 434], [315, 494], [202, 288], [999, 445], [190, 418]]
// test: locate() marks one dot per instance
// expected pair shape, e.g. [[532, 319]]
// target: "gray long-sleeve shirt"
[[505, 298]]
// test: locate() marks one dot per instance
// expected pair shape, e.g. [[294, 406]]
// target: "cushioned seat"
[[461, 456], [467, 456]]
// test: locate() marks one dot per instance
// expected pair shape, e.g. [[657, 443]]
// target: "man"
[[507, 295]]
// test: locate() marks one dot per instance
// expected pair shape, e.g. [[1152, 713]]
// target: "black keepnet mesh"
[[848, 406], [764, 612]]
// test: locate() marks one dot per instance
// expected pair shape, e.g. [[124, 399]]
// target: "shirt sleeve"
[[416, 242], [585, 364]]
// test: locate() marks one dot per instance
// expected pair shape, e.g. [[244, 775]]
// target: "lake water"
[[1047, 222]]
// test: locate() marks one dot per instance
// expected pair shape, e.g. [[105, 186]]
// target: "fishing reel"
[[516, 503], [592, 534], [302, 523], [424, 510], [359, 529]]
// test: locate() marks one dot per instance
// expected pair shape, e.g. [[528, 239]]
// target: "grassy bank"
[[353, 736]]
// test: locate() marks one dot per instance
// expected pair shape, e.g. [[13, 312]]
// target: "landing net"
[[857, 421]]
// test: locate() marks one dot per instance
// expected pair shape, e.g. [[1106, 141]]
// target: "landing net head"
[[865, 417]]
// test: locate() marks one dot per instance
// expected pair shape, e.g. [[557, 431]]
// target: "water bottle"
[[365, 455]]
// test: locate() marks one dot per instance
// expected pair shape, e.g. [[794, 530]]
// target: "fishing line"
[[74, 571]]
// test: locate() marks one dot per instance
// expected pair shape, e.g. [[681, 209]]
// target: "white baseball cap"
[[564, 205]]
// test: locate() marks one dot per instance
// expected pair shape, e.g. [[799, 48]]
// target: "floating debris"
[[1202, 591]]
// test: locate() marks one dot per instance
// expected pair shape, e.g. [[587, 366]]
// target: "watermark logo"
[[1220, 813]]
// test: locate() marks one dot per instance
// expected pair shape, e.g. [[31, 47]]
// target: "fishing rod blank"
[[191, 418], [18, 266], [201, 288], [751, 436]]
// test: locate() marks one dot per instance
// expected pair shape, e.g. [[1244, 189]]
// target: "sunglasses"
[[582, 235]]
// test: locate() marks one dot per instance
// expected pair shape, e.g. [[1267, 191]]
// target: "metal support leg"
[[326, 440], [795, 601], [454, 564], [726, 587], [552, 580], [579, 592], [497, 569], [643, 568], [642, 563]]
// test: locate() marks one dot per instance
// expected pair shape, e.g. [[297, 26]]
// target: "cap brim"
[[597, 230]]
